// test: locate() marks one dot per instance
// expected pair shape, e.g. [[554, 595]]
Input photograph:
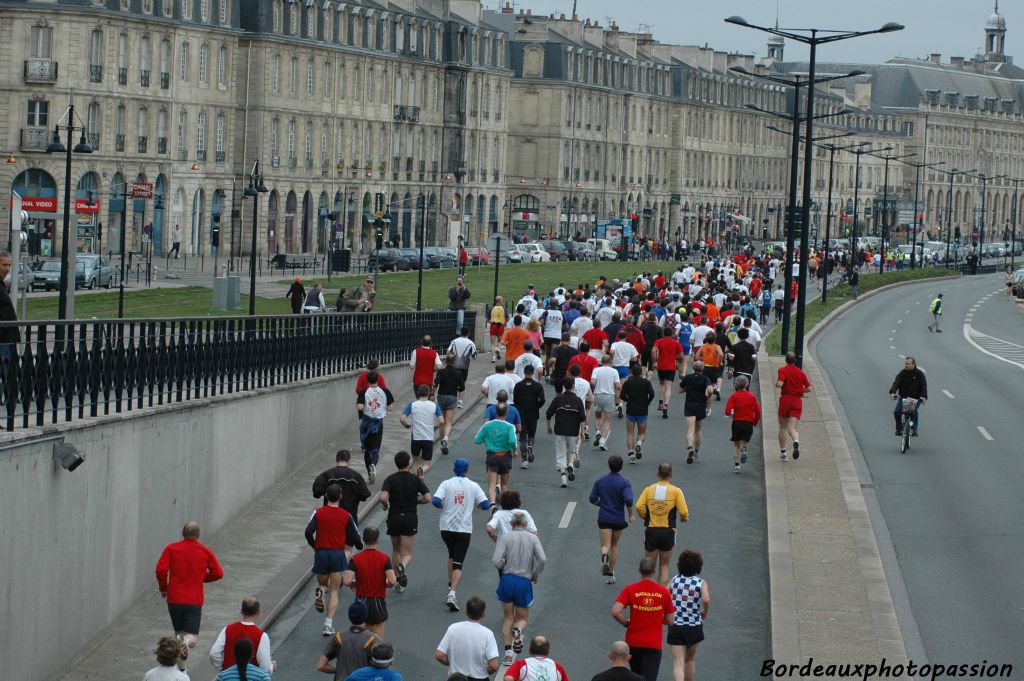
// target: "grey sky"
[[950, 27]]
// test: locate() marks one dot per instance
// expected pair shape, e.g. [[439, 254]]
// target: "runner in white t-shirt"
[[552, 320], [606, 383], [456, 497], [423, 416]]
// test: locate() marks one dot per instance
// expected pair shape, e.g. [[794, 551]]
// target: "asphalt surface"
[[573, 604], [952, 504]]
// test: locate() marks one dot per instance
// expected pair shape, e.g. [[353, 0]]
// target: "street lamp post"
[[66, 302], [985, 179], [917, 215], [885, 205], [1013, 221], [255, 188], [812, 40], [422, 236], [949, 207], [121, 245]]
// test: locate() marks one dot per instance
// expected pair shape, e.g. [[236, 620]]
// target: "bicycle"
[[909, 405]]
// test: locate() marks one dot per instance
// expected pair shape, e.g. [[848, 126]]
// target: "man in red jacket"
[[181, 571], [746, 413]]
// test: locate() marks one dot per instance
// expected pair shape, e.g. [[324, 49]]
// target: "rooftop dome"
[[996, 20]]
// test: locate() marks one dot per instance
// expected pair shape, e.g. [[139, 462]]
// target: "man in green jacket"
[[936, 309]]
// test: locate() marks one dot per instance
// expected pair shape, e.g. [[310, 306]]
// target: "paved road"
[[573, 603], [953, 504]]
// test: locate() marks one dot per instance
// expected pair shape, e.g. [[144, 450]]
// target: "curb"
[[782, 583]]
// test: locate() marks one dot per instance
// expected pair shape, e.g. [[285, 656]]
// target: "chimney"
[[507, 9], [935, 58], [529, 12], [956, 62], [561, 17]]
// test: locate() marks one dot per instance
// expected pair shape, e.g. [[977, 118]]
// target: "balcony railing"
[[412, 113], [143, 144], [201, 155], [94, 140], [293, 162], [165, 81], [161, 145], [218, 156], [95, 73], [399, 112], [35, 138], [309, 163], [122, 76], [408, 165], [118, 142], [40, 70], [182, 154], [144, 78]]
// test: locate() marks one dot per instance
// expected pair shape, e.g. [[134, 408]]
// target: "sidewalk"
[[830, 598], [272, 569]]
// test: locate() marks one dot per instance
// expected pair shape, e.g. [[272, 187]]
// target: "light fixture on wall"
[[10, 159], [68, 456]]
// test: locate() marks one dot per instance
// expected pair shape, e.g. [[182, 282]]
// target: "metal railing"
[[66, 371], [40, 70], [95, 73]]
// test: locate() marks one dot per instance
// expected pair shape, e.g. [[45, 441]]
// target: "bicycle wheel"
[[905, 442]]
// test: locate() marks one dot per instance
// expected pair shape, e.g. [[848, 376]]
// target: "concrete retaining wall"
[[77, 548]]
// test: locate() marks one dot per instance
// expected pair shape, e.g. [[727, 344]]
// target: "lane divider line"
[[984, 433], [948, 394], [567, 515]]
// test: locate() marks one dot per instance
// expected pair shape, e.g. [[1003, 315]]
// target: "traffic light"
[[380, 238], [956, 235], [215, 231], [633, 217], [99, 230]]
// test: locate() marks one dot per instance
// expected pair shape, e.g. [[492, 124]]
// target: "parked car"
[[93, 271], [25, 277], [47, 276], [1018, 283], [924, 255], [387, 259], [572, 248], [516, 254], [449, 254], [478, 255], [996, 249], [555, 250], [537, 254], [412, 255], [586, 252], [440, 257], [604, 249]]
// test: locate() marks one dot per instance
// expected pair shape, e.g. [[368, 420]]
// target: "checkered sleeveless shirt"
[[686, 599]]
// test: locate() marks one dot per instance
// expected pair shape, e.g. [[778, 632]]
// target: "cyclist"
[[910, 382]]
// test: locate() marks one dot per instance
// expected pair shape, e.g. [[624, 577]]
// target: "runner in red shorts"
[[793, 384]]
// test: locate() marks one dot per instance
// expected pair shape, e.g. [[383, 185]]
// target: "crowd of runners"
[[682, 345]]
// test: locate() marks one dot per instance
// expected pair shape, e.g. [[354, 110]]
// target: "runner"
[[519, 558], [742, 405], [696, 407], [712, 357], [650, 609], [499, 439], [568, 412], [528, 396], [456, 498], [636, 393], [498, 319], [509, 503], [529, 358], [553, 320], [583, 391], [498, 381], [349, 651], [468, 648], [222, 654], [423, 363], [606, 384], [450, 384], [612, 493], [623, 355], [667, 355], [557, 366], [373, 404], [371, 573], [464, 351], [400, 494], [423, 416], [661, 505], [514, 338], [182, 570], [691, 601], [329, 532], [793, 384], [353, 486]]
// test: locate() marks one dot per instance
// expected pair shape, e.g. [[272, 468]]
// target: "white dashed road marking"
[[948, 394], [984, 433], [899, 321], [567, 515]]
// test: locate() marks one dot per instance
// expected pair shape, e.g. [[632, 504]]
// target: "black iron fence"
[[63, 371]]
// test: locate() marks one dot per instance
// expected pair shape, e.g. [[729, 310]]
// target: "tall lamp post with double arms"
[[918, 215], [812, 38], [255, 188], [832, 149], [67, 278]]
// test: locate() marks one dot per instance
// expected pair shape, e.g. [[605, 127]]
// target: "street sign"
[[648, 213], [378, 203], [142, 190]]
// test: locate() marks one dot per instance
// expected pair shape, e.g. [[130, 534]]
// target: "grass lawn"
[[191, 301], [397, 290], [815, 311]]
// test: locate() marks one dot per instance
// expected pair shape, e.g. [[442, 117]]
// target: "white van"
[[604, 249]]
